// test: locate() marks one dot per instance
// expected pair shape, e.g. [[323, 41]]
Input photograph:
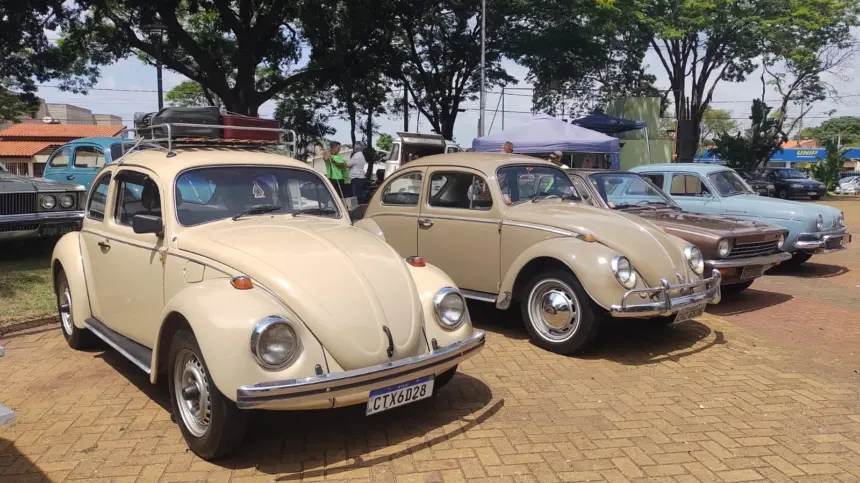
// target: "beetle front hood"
[[344, 283], [651, 251]]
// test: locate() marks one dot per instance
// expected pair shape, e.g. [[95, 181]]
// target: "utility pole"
[[503, 108], [483, 66]]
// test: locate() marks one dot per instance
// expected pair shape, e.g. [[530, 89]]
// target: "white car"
[[849, 185]]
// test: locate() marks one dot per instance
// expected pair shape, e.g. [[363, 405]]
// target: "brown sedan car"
[[742, 250]]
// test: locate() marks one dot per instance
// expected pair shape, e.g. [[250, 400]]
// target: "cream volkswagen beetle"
[[238, 276], [510, 228]]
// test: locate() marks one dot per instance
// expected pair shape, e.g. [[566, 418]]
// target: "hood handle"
[[390, 349]]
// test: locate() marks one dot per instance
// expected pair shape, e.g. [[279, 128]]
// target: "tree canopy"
[[845, 129], [753, 148], [190, 94]]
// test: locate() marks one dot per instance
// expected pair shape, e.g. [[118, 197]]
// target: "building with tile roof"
[[25, 148]]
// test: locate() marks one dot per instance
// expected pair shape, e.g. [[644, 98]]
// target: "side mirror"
[[147, 224]]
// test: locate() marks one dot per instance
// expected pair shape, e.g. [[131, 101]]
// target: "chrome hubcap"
[[66, 310], [192, 393], [554, 310]]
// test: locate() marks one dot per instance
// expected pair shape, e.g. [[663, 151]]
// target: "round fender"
[[223, 319], [370, 226], [68, 256], [429, 279]]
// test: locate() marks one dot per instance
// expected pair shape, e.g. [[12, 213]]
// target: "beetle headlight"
[[275, 343], [819, 223], [780, 241], [694, 258], [67, 201], [623, 271], [48, 202], [724, 247], [450, 308]]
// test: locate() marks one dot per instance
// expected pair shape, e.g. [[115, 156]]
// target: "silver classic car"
[[35, 207]]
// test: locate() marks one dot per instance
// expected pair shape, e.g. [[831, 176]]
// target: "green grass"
[[25, 281]]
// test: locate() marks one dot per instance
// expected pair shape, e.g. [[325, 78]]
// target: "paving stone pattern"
[[726, 397]]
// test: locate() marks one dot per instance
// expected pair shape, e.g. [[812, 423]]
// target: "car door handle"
[[425, 222], [104, 245], [70, 176]]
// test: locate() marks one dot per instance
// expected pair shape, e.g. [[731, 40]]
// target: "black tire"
[[77, 339], [797, 259], [783, 194], [226, 424], [660, 322], [735, 288], [583, 332], [443, 379]]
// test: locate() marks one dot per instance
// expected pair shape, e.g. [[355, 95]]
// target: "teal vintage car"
[[710, 188]]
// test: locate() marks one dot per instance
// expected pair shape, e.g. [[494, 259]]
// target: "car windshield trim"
[[573, 195], [285, 210], [727, 189], [664, 199]]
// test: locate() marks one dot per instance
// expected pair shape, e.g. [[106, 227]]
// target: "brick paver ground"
[[727, 397]]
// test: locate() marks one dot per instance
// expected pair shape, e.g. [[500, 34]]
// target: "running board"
[[480, 296], [139, 355]]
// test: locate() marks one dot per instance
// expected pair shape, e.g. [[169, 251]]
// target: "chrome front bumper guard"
[[341, 384], [817, 242], [745, 262], [667, 305], [40, 216]]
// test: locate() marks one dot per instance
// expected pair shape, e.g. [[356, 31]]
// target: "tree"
[[716, 122], [701, 43], [839, 129], [28, 56], [190, 94], [303, 109], [754, 148], [829, 169], [244, 51], [437, 54], [385, 142]]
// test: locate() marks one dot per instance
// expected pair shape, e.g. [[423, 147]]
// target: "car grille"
[[17, 203], [744, 250], [10, 228]]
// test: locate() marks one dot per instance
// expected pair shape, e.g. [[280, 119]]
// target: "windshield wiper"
[[315, 211], [257, 210]]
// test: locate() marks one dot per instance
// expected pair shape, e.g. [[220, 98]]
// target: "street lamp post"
[[156, 34], [483, 62]]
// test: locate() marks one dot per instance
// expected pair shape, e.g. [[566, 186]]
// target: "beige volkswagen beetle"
[[238, 276], [510, 228]]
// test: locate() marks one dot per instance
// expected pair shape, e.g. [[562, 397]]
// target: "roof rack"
[[175, 141]]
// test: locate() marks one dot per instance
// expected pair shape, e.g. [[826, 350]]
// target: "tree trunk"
[[369, 153], [446, 125]]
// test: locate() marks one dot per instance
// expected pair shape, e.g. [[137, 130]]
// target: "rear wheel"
[[558, 313], [735, 288], [211, 424], [76, 338]]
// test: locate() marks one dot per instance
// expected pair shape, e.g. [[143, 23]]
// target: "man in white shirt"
[[556, 158], [357, 170]]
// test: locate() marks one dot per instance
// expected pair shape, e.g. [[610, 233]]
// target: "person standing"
[[555, 158], [508, 147], [336, 170], [357, 171]]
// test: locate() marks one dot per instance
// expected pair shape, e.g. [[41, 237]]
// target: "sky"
[[130, 86]]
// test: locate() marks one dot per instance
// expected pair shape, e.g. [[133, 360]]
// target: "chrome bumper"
[[817, 242], [745, 262], [38, 217], [347, 383], [668, 305]]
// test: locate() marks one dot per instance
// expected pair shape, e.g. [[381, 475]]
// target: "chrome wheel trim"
[[554, 310], [196, 412], [66, 310]]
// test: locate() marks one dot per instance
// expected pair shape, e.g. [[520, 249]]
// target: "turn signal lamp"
[[416, 261], [589, 238], [241, 283]]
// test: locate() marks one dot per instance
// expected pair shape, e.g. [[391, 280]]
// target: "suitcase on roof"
[[188, 115]]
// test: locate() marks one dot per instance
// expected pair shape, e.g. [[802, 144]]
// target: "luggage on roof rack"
[[183, 115]]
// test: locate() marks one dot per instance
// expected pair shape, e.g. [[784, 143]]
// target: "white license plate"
[[56, 230], [690, 313], [752, 271], [812, 193], [386, 398]]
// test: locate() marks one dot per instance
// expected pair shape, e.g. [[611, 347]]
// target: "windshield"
[[626, 190], [217, 193], [528, 182], [728, 183], [790, 173]]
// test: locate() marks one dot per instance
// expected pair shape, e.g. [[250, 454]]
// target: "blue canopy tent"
[[545, 134], [606, 124]]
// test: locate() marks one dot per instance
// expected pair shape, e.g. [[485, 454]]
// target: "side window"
[[98, 198], [403, 190], [688, 185], [582, 189], [459, 190], [89, 157], [61, 158], [136, 194], [657, 179], [395, 152]]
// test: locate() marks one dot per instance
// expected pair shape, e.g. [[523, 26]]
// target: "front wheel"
[[77, 339], [558, 313], [443, 379], [211, 424]]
